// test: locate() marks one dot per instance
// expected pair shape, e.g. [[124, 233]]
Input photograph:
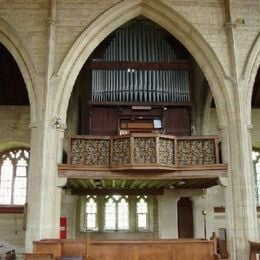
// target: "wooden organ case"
[[139, 83]]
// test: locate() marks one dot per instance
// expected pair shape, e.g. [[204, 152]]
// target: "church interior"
[[129, 129]]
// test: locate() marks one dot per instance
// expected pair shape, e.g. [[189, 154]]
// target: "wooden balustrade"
[[139, 151]]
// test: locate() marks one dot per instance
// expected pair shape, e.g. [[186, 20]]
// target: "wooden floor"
[[179, 249]]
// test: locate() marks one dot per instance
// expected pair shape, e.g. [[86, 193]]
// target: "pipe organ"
[[146, 68], [139, 78]]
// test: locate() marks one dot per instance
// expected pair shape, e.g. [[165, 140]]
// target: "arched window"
[[142, 213], [91, 213], [124, 213], [13, 176], [116, 213]]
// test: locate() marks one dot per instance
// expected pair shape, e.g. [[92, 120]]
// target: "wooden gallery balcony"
[[142, 161]]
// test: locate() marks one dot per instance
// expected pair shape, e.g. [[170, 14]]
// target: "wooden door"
[[185, 218]]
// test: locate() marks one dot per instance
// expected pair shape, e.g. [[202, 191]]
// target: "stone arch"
[[13, 145], [13, 44], [161, 14], [250, 70], [206, 113]]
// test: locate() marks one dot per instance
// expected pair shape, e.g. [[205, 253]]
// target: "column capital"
[[58, 124]]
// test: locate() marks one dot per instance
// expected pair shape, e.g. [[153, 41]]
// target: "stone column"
[[44, 192], [240, 192]]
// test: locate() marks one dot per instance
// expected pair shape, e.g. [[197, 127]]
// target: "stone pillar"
[[167, 218], [240, 193], [44, 192]]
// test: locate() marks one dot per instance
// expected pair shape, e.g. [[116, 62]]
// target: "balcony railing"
[[143, 151]]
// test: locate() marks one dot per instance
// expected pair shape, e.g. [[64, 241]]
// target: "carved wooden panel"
[[166, 151], [144, 150], [121, 151], [191, 152]]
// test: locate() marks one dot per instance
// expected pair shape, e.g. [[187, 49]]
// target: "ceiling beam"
[[82, 191]]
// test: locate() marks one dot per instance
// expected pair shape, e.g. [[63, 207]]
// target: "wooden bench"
[[38, 256]]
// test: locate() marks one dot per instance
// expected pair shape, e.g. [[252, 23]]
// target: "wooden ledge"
[[11, 209]]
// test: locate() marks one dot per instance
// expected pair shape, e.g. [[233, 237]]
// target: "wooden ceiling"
[[135, 187], [12, 87]]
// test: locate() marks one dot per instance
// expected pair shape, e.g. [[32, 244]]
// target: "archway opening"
[[139, 80], [139, 66], [14, 133]]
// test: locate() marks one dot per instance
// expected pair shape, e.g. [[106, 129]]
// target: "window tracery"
[[13, 176]]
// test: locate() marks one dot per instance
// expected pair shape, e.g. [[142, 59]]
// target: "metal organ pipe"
[[139, 42]]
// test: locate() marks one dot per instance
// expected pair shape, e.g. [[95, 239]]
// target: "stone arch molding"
[[161, 14], [9, 38], [249, 74], [12, 145]]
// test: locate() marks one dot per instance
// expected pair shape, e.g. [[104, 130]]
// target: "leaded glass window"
[[116, 213], [91, 213], [142, 212], [13, 176]]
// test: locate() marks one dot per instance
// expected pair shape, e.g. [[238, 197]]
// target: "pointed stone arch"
[[250, 70], [13, 44], [12, 145], [167, 18]]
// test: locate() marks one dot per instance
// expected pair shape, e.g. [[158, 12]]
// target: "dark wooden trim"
[[117, 65], [11, 209], [75, 191]]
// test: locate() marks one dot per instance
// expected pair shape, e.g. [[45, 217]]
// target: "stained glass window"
[[13, 176]]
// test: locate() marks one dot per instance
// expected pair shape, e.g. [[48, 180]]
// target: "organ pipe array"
[[139, 42]]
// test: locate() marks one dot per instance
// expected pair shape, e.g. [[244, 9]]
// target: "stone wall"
[[14, 130], [12, 232], [255, 133]]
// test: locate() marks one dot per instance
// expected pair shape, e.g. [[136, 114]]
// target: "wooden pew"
[[10, 255], [178, 249], [38, 256]]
